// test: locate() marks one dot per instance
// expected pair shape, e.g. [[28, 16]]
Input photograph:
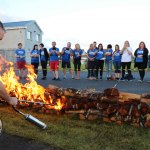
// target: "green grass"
[[70, 133]]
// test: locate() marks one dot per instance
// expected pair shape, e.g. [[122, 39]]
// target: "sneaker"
[[57, 79], [44, 78], [140, 80], [72, 77], [54, 78], [122, 79]]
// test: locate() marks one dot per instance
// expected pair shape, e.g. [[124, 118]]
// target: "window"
[[38, 37], [29, 35]]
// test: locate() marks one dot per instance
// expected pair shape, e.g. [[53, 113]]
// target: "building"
[[26, 32]]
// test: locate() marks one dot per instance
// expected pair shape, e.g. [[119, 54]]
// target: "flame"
[[30, 91]]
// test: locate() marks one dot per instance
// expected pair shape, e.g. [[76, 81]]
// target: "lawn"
[[70, 133]]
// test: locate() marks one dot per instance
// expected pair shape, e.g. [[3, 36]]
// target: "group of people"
[[96, 56]]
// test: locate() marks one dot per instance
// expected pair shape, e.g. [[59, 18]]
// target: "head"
[[41, 46], [69, 45], [142, 45], [109, 46], [100, 46], [91, 47], [2, 31], [77, 46], [117, 47], [126, 44], [35, 47], [94, 44], [54, 44], [19, 45]]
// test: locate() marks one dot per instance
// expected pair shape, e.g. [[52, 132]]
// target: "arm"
[[4, 95]]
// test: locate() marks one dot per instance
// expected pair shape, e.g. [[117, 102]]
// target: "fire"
[[30, 91]]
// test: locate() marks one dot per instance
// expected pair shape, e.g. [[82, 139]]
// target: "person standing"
[[99, 61], [20, 55], [54, 61], [108, 61], [43, 58], [3, 93], [66, 55], [126, 60], [91, 54], [141, 59], [77, 53], [35, 58], [117, 61]]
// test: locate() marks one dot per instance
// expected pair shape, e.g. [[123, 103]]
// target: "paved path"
[[19, 143]]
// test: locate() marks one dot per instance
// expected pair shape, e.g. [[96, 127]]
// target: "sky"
[[84, 21]]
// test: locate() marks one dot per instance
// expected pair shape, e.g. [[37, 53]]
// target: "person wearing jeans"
[[99, 61], [117, 62], [126, 60], [141, 59], [108, 61]]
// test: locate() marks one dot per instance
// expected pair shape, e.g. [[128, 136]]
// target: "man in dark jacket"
[[43, 58]]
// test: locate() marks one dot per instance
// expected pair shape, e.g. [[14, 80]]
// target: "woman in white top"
[[126, 59]]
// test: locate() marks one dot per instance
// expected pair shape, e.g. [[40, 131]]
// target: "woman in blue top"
[[35, 58], [77, 52], [91, 53], [99, 62], [141, 59], [117, 61], [108, 61]]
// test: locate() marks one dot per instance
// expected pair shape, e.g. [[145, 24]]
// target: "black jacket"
[[145, 57], [45, 53]]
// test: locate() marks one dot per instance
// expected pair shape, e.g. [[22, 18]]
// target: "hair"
[[77, 46], [42, 45], [34, 46], [19, 44], [117, 46], [142, 43], [2, 26], [101, 46], [90, 45], [127, 42], [109, 46]]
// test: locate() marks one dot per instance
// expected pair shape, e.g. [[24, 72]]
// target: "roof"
[[20, 24]]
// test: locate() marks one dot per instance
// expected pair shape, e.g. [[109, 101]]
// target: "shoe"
[[44, 78], [72, 77], [64, 77], [108, 78], [140, 80], [54, 78], [122, 79], [57, 79], [100, 78]]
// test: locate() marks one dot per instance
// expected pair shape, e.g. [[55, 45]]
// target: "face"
[[68, 44], [126, 44], [1, 33], [36, 47], [77, 46], [94, 44], [20, 46], [100, 47], [53, 44], [142, 45], [91, 46], [116, 48]]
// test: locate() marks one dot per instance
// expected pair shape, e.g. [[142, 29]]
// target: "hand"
[[140, 56], [13, 101]]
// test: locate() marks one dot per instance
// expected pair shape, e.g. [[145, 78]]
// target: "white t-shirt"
[[126, 57]]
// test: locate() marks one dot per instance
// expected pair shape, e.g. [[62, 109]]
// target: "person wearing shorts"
[[77, 52], [66, 55], [54, 60], [20, 60]]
